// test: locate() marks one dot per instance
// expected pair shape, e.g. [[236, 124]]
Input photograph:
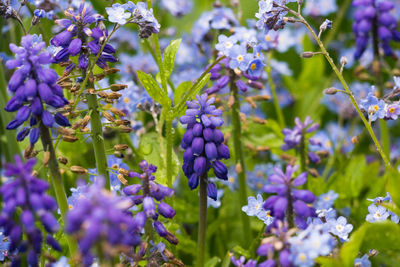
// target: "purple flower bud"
[[301, 208], [188, 137], [212, 190], [15, 80], [149, 206], [284, 258], [109, 49], [28, 220], [304, 195], [139, 221], [223, 152], [241, 85], [32, 258], [30, 89], [222, 82], [208, 134], [218, 136], [34, 135], [37, 107], [48, 76], [53, 243], [13, 63], [22, 134], [94, 47], [197, 129], [220, 170], [75, 47], [49, 222], [280, 207], [384, 34], [198, 145], [211, 151], [62, 39], [193, 181], [188, 155], [166, 210], [160, 229], [132, 189], [47, 119], [45, 92], [13, 105], [200, 165], [61, 120], [83, 61], [62, 55]]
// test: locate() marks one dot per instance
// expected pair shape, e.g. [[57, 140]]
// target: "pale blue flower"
[[225, 44], [216, 203], [362, 262], [325, 201], [4, 245], [340, 227], [62, 262], [376, 214], [117, 14], [239, 58], [254, 206], [319, 8]]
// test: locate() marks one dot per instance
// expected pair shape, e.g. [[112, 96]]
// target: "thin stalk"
[[345, 85], [98, 138], [290, 216], [384, 130], [239, 158], [56, 181], [169, 141], [278, 110], [201, 237], [303, 153]]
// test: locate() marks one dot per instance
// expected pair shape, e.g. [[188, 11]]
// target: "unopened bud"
[[108, 116], [238, 168], [259, 120], [307, 54], [330, 91], [102, 94], [255, 84], [289, 19], [100, 76], [124, 129], [85, 121], [117, 112], [65, 131], [78, 170], [354, 140], [111, 71], [343, 61], [62, 160], [69, 139], [118, 87], [29, 151], [114, 95], [172, 239], [122, 179], [123, 122], [120, 147], [313, 172], [46, 157], [261, 97], [251, 102]]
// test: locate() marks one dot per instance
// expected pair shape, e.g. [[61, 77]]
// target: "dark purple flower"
[[27, 193], [33, 86]]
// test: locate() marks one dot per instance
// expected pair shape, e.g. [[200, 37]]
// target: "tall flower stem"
[[56, 181], [345, 85], [278, 110], [201, 237], [377, 69], [290, 215], [170, 139], [303, 153], [98, 138], [239, 157]]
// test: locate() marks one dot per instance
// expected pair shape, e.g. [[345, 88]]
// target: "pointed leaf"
[[169, 57]]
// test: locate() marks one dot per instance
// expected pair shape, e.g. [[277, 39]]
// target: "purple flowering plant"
[[183, 133]]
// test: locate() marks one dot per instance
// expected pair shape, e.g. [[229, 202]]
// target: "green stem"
[[201, 238], [98, 138], [278, 110], [290, 215], [56, 181], [169, 144], [346, 87], [239, 158], [303, 153]]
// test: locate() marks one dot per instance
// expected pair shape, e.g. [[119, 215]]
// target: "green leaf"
[[153, 89], [381, 236], [393, 185], [213, 262], [181, 107], [241, 251], [180, 90], [169, 57], [150, 148]]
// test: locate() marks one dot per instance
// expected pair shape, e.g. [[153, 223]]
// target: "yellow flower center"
[[376, 107], [303, 257], [228, 44], [339, 228], [259, 185], [253, 66], [327, 198], [126, 100], [267, 38], [240, 58], [392, 110]]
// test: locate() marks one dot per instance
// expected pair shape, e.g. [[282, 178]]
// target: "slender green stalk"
[[290, 213], [377, 68], [170, 140], [98, 138], [345, 85], [201, 237], [278, 110], [303, 153], [56, 181], [239, 158]]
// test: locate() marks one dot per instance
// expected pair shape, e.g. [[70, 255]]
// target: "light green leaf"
[[393, 185], [213, 262], [181, 107], [169, 57], [180, 90], [150, 148], [152, 88]]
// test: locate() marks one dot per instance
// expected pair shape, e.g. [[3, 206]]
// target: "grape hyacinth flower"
[[288, 201], [373, 15], [101, 220], [203, 143], [72, 40], [33, 86], [27, 193], [150, 196], [241, 262]]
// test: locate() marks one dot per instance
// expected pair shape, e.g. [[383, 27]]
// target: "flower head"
[[340, 227], [117, 14], [377, 213]]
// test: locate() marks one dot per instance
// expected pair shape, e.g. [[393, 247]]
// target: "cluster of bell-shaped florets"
[[33, 85], [26, 209], [72, 40], [150, 195], [101, 220], [289, 203], [374, 17], [203, 143]]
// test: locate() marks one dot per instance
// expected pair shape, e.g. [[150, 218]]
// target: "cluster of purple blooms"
[[296, 137], [271, 14], [100, 218], [379, 213], [289, 201], [379, 108], [371, 15], [141, 16], [33, 86], [25, 206], [71, 41], [151, 195], [203, 143]]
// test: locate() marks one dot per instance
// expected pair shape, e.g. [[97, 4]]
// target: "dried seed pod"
[[102, 94], [35, 173], [313, 172], [123, 122], [124, 129], [46, 158], [331, 91], [85, 121], [66, 85], [259, 120], [122, 179], [251, 102], [231, 101], [123, 171], [109, 101], [238, 168], [91, 91], [354, 139], [85, 130], [63, 160], [117, 112], [78, 170], [100, 76], [261, 97], [29, 151], [77, 124], [108, 116], [111, 71], [75, 88], [114, 95], [243, 117], [249, 146], [307, 54], [65, 131], [121, 147], [69, 139], [118, 87], [171, 238]]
